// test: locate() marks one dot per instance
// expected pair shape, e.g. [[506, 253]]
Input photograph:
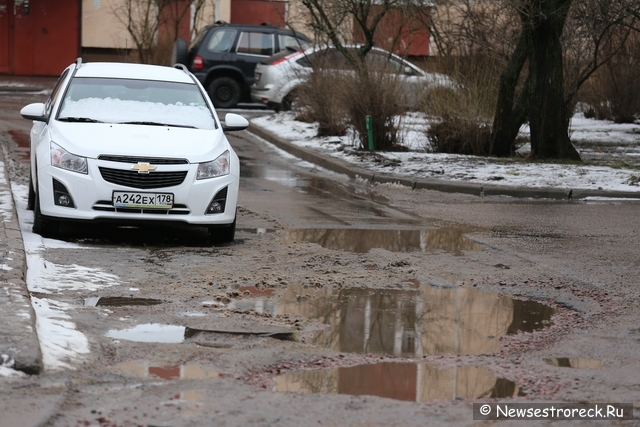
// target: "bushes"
[[613, 92], [339, 99], [463, 114], [376, 93]]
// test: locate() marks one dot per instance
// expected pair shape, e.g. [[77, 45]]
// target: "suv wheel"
[[224, 92]]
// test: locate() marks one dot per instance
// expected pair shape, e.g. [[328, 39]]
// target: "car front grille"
[[135, 159], [145, 181], [107, 206]]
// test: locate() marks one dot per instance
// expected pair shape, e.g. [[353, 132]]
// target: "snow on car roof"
[[133, 71]]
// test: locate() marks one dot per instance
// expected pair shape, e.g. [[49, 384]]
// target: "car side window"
[[379, 60], [221, 40], [254, 43], [287, 40], [55, 93]]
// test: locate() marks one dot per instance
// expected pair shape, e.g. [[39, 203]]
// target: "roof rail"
[[78, 62], [186, 71], [181, 67]]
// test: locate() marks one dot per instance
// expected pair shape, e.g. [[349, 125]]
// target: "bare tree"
[[144, 18], [337, 21], [548, 94]]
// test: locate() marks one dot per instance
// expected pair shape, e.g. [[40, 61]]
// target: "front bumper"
[[92, 196]]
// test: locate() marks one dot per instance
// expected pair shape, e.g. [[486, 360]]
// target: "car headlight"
[[62, 159], [214, 168]]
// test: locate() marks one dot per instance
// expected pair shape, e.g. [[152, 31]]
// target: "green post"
[[370, 133]]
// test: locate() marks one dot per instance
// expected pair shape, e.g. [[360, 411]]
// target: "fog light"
[[218, 203], [214, 208], [61, 196], [64, 200]]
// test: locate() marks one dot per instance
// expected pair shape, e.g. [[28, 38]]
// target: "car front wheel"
[[224, 92], [31, 198], [219, 234], [43, 225]]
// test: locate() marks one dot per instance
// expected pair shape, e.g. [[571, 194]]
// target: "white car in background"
[[278, 77], [132, 144]]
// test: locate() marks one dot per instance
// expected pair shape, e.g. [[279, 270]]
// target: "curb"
[[18, 336], [442, 185]]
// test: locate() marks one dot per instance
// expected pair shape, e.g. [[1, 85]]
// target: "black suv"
[[223, 57]]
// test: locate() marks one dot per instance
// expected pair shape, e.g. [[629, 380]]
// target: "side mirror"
[[408, 71], [34, 112], [233, 122]]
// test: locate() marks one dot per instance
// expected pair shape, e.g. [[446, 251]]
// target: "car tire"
[[224, 92], [219, 234], [180, 52], [31, 198], [43, 225]]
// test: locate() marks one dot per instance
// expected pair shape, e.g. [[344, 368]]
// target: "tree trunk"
[[547, 113], [509, 117]]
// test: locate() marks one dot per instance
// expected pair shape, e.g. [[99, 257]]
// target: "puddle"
[[151, 332], [575, 362], [451, 240], [119, 301], [144, 369], [412, 323], [401, 381]]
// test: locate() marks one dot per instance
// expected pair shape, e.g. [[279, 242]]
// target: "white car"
[[278, 77], [132, 144]]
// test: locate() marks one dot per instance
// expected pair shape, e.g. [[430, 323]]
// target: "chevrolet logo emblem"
[[143, 167]]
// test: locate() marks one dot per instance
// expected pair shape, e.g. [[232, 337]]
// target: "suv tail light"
[[198, 63]]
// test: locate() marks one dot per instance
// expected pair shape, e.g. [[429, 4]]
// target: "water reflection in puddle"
[[575, 362], [401, 381], [413, 323], [119, 301], [450, 240], [151, 332], [144, 369]]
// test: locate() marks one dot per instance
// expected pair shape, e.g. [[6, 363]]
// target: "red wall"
[[257, 12], [42, 42], [179, 11], [401, 34]]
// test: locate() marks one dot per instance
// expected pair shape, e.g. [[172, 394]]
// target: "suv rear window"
[[221, 41], [255, 43]]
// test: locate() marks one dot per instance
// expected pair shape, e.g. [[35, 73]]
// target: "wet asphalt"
[[19, 346]]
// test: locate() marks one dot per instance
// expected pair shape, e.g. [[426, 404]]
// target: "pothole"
[[401, 381], [119, 301], [411, 323], [150, 332], [145, 369]]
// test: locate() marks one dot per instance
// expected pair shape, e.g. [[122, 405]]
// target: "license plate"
[[122, 199]]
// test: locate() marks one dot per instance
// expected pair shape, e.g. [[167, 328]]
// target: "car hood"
[[93, 139]]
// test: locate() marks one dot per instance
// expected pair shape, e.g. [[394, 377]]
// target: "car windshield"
[[112, 100]]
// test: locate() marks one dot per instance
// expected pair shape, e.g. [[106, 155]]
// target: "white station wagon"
[[132, 144]]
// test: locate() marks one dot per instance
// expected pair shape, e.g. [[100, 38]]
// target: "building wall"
[[38, 37], [100, 26]]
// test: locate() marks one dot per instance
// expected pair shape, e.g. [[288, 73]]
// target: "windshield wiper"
[[79, 120], [157, 124]]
